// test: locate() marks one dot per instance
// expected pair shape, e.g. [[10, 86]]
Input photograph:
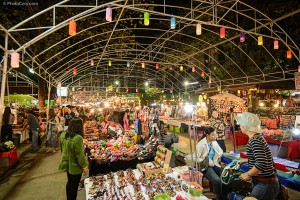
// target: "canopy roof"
[[208, 61]]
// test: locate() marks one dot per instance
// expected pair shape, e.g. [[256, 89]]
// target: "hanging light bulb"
[[289, 54], [171, 68], [276, 44], [128, 64], [92, 62], [15, 60], [260, 40], [109, 14], [74, 71], [193, 69], [109, 63], [198, 29], [143, 65], [156, 66], [59, 84], [72, 28], [173, 23], [146, 19], [31, 70], [181, 68], [242, 37], [222, 32]]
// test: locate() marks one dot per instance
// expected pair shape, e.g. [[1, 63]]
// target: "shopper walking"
[[52, 134], [8, 120], [34, 127], [265, 184], [73, 159]]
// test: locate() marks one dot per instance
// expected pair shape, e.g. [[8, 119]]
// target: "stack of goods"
[[130, 185], [148, 149], [91, 132]]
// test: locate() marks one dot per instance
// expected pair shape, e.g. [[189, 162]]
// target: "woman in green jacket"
[[73, 159]]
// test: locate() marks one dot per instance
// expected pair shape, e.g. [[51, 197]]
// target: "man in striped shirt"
[[265, 184]]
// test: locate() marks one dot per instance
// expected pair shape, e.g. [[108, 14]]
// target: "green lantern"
[[146, 19]]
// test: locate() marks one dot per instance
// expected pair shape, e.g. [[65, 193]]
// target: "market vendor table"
[[241, 139], [104, 168], [287, 182], [9, 158], [293, 147], [23, 132]]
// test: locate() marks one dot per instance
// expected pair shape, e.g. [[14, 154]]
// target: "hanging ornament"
[[84, 89], [74, 71], [260, 40], [198, 29], [136, 90], [171, 68], [127, 90], [222, 32], [154, 90], [59, 84], [15, 60], [92, 62], [72, 28], [202, 74], [193, 69], [173, 23], [108, 15], [146, 19], [171, 91], [181, 68], [289, 54], [117, 89], [242, 37], [299, 69], [209, 79], [143, 65], [156, 66], [109, 63], [276, 44], [219, 88], [128, 64]]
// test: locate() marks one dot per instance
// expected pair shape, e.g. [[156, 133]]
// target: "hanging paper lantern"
[[84, 89], [143, 65], [289, 54], [146, 19], [92, 62], [15, 60], [202, 74], [260, 40], [109, 63], [74, 71], [59, 84], [198, 29], [72, 28], [204, 97], [136, 90], [242, 37], [276, 44], [171, 68], [127, 90], [154, 90], [128, 64], [108, 14], [219, 88], [193, 69], [156, 66], [299, 69], [181, 68], [117, 89], [209, 80], [173, 23], [222, 32], [171, 91]]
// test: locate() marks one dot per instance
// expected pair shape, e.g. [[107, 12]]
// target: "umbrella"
[[226, 97]]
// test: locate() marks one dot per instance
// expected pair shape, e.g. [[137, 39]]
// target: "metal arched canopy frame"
[[211, 11]]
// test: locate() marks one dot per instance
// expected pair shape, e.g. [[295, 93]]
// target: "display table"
[[11, 156], [293, 147], [24, 133], [288, 182]]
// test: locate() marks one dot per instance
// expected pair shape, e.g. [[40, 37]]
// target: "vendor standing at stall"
[[219, 126], [265, 184]]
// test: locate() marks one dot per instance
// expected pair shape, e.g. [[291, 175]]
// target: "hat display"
[[250, 121]]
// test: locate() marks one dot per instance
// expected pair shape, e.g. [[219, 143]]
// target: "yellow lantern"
[[260, 40], [109, 63], [146, 19]]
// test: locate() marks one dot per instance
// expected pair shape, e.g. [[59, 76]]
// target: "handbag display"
[[203, 165]]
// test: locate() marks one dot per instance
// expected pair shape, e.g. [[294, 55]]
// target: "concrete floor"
[[36, 177]]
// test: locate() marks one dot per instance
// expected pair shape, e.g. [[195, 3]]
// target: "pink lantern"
[[171, 68], [299, 69], [276, 44], [156, 66], [242, 37], [92, 62], [193, 69], [222, 32], [117, 89], [136, 90], [84, 89], [15, 60], [108, 14]]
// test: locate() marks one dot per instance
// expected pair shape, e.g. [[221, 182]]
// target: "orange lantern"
[[276, 44], [127, 90], [72, 28], [154, 89], [74, 71], [15, 60], [143, 65], [289, 54], [222, 32], [202, 74]]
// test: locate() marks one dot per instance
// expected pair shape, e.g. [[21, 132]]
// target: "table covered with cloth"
[[12, 155], [293, 147]]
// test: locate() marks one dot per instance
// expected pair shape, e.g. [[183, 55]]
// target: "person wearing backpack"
[[8, 120]]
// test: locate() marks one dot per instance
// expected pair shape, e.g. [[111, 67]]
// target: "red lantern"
[[289, 54], [74, 71], [156, 66], [222, 32], [72, 28], [276, 44]]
